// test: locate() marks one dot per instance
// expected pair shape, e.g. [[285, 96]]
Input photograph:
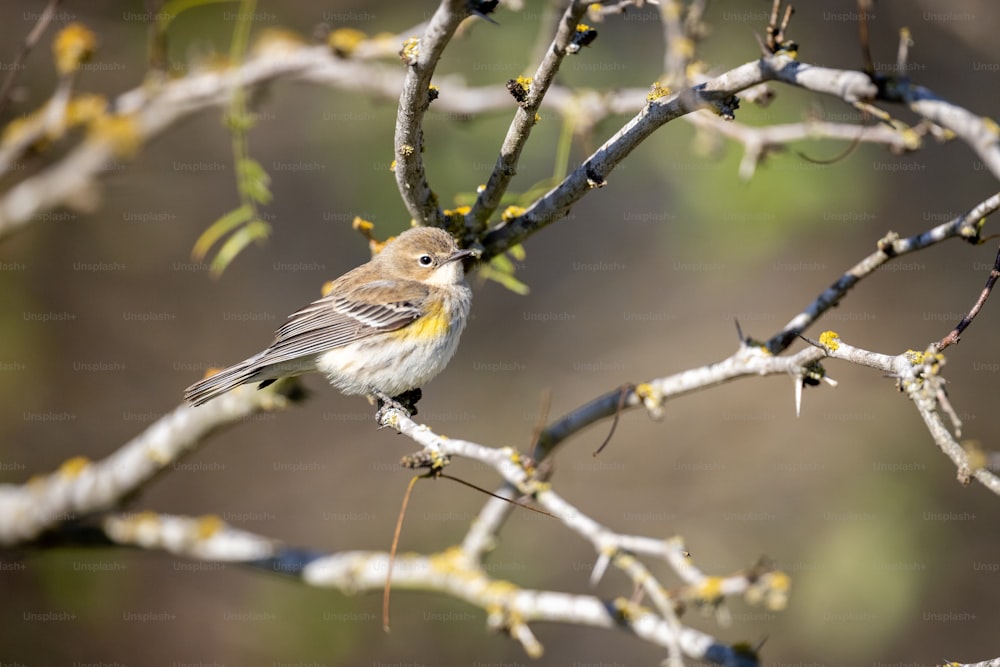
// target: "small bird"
[[383, 329]]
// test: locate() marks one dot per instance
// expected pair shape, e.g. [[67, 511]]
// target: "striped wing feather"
[[336, 320]]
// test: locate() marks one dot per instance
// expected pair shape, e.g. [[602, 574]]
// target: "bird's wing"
[[337, 320]]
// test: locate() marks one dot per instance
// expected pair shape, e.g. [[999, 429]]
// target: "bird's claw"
[[405, 403]]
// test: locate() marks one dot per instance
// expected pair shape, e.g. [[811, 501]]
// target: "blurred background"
[[892, 561]]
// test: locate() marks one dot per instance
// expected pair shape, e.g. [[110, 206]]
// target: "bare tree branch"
[[421, 57], [717, 94], [964, 226], [524, 119]]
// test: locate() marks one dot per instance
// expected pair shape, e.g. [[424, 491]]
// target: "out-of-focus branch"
[[682, 28], [759, 142], [995, 662], [143, 113], [82, 487], [29, 43], [717, 94], [72, 46], [452, 572], [979, 132]]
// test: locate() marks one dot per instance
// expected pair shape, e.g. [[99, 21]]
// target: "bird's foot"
[[405, 403]]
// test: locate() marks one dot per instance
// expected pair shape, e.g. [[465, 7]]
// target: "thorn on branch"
[[810, 376], [483, 9]]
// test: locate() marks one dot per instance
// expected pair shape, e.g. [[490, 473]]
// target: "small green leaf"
[[251, 169], [502, 263], [466, 198], [255, 230], [239, 121], [500, 269], [254, 181], [220, 228], [170, 9], [259, 192], [505, 279]]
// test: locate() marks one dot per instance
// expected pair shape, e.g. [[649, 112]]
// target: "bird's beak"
[[461, 254]]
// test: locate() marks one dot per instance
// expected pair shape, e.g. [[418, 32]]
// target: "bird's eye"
[[425, 260]]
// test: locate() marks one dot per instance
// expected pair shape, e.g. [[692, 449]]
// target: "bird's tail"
[[225, 380]]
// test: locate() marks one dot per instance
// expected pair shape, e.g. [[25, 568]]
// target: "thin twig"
[[29, 43], [991, 280], [392, 550], [963, 226], [523, 121], [497, 496], [750, 360], [717, 94], [677, 51], [868, 65]]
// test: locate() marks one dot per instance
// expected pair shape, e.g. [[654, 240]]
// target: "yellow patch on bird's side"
[[430, 326]]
